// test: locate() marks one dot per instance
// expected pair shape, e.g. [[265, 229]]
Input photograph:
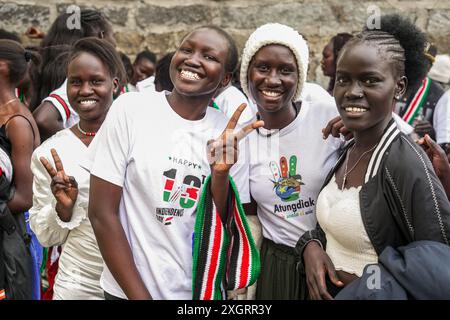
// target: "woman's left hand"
[[223, 152]]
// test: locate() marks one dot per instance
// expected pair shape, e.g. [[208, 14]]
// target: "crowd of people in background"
[[209, 174]]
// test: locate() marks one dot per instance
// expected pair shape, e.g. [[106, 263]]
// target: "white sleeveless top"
[[339, 215]]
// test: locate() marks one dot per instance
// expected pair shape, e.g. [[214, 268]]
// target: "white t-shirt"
[[59, 99], [441, 119], [159, 159], [288, 169], [314, 92], [230, 99], [146, 84]]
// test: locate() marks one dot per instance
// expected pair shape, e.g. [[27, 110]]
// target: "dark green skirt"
[[279, 278]]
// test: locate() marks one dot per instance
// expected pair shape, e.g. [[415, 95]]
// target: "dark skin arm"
[[250, 208], [104, 216], [48, 120], [21, 136], [220, 187], [439, 161]]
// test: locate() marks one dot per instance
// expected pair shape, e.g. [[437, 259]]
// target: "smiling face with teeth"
[[366, 82], [273, 79], [90, 87], [198, 65]]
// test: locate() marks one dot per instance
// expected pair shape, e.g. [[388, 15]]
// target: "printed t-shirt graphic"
[[287, 186], [287, 169]]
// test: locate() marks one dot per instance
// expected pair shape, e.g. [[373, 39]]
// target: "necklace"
[[8, 102], [89, 134], [346, 173], [271, 132]]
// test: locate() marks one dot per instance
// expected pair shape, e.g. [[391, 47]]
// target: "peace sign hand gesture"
[[223, 152], [64, 187]]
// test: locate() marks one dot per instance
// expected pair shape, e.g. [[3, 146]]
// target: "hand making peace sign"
[[223, 152], [64, 187]]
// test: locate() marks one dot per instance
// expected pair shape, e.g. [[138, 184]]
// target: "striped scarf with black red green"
[[222, 259], [415, 107]]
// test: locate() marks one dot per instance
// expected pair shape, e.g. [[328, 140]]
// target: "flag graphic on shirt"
[[186, 193], [179, 194], [168, 220], [189, 197], [168, 186]]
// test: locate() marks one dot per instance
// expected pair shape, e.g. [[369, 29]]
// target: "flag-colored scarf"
[[417, 102], [223, 258]]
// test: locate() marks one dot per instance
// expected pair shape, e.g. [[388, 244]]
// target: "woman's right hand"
[[64, 187], [317, 265]]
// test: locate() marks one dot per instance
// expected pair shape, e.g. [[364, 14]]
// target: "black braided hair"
[[146, 54], [9, 35], [403, 42], [127, 65], [58, 40], [14, 54], [162, 73], [338, 42], [93, 22]]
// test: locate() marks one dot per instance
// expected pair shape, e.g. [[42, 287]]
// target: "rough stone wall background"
[[159, 25]]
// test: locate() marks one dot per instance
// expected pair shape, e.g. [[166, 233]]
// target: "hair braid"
[[404, 44]]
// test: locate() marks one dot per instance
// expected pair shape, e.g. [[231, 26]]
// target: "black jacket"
[[401, 201], [416, 271]]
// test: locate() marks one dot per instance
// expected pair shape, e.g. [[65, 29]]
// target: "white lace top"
[[339, 215]]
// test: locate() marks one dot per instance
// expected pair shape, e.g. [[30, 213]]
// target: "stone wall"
[[159, 25]]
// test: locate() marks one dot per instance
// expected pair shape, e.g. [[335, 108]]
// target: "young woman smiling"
[[61, 187], [383, 190], [288, 157], [52, 109], [145, 190]]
